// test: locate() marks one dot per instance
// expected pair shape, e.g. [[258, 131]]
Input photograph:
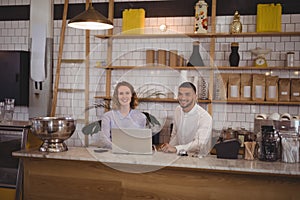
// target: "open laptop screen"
[[131, 141]]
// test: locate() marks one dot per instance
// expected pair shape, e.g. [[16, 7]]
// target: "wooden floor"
[[72, 180]]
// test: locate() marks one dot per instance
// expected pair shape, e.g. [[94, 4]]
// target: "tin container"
[[290, 59]]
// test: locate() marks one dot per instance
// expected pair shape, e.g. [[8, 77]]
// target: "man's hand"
[[167, 148]]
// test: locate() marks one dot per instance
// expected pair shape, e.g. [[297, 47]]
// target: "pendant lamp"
[[90, 19]]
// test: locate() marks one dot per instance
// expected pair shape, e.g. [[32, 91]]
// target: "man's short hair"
[[188, 85]]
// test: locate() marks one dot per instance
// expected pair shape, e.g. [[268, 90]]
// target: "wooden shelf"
[[135, 36], [198, 35], [155, 67], [257, 68], [72, 60], [167, 100], [212, 37], [68, 90], [201, 68], [257, 34], [102, 97], [256, 102]]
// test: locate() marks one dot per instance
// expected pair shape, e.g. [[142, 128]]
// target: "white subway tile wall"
[[14, 35]]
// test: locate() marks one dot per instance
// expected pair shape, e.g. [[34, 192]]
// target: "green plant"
[[95, 127]]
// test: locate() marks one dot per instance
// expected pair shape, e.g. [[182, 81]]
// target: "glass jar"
[[269, 144], [290, 148]]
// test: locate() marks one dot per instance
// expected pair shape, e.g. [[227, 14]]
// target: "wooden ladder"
[[59, 59], [58, 67]]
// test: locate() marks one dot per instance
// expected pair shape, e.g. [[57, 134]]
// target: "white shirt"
[[192, 131]]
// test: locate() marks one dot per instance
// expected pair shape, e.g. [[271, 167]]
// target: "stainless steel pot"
[[53, 131]]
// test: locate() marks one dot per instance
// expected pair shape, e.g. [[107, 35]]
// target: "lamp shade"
[[90, 19]]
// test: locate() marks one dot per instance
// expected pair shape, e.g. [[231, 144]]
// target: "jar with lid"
[[201, 21], [290, 59], [290, 148], [269, 144]]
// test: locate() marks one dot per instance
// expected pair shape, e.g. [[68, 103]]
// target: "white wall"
[[14, 36]]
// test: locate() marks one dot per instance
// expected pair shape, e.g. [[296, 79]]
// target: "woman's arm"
[[105, 135]]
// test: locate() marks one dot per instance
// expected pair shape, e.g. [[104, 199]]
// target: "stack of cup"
[[9, 107], [2, 109]]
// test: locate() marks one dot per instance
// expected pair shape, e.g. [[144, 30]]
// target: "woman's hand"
[[167, 148]]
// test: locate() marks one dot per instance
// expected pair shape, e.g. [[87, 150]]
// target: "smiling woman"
[[123, 113]]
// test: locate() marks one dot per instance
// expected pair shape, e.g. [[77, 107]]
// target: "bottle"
[[201, 17], [195, 59], [234, 57], [236, 25]]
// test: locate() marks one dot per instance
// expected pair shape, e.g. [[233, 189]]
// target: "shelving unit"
[[296, 68], [256, 102], [213, 35], [198, 35], [74, 61]]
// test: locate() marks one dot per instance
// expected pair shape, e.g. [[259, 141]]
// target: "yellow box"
[[7, 194], [268, 18], [133, 21]]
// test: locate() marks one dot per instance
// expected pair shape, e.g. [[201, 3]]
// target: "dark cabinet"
[[14, 76]]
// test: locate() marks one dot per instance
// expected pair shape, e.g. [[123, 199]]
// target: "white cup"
[[285, 116], [297, 117], [262, 116]]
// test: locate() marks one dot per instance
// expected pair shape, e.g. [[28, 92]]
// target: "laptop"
[[131, 141]]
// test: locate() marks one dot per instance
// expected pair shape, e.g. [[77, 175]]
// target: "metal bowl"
[[53, 131]]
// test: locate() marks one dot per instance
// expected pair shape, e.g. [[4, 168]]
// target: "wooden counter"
[[80, 173]]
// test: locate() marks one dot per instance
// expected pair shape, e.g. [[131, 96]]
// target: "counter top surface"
[[146, 163]]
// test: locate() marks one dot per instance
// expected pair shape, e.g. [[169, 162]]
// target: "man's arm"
[[170, 147]]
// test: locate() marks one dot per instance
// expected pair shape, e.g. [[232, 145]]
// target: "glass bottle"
[[234, 57], [195, 59]]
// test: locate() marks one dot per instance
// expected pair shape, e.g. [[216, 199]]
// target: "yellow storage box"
[[133, 21], [7, 194], [268, 18]]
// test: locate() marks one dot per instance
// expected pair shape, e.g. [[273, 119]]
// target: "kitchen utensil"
[[53, 131], [260, 60]]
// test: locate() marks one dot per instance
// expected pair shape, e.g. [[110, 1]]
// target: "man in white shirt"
[[192, 128]]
